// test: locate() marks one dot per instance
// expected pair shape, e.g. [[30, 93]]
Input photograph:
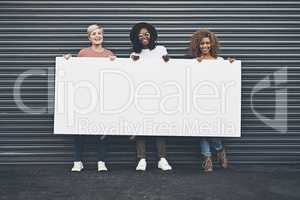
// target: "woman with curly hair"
[[143, 37], [204, 46], [95, 36]]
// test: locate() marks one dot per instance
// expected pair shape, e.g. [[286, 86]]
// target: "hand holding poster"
[[180, 98]]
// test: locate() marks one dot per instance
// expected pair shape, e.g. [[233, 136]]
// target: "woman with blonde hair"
[[95, 36]]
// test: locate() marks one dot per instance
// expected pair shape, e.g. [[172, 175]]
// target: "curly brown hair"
[[196, 40]]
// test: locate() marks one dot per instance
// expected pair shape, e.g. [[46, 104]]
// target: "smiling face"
[[144, 37], [205, 46], [96, 37]]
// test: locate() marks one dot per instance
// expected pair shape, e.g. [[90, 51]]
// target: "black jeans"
[[141, 147], [100, 146]]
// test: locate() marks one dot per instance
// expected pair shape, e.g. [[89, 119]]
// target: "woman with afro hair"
[[204, 46], [143, 37]]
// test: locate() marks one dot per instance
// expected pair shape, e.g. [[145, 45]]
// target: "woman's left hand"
[[112, 57], [166, 58], [231, 60]]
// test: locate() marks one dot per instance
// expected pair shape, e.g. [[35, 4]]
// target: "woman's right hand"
[[199, 59], [134, 57], [67, 56]]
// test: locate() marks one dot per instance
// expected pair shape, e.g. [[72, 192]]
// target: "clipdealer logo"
[[42, 74], [276, 82]]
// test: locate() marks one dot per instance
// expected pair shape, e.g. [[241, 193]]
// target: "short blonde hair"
[[91, 28]]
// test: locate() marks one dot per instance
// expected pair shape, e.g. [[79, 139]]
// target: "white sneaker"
[[164, 165], [77, 167], [101, 166], [141, 165]]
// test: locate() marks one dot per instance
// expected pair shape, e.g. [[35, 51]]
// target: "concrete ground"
[[53, 182]]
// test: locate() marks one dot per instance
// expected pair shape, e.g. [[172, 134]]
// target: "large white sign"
[[180, 98]]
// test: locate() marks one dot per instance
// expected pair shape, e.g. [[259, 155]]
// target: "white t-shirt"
[[155, 53]]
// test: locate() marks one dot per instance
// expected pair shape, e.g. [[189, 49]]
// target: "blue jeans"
[[100, 146], [208, 145]]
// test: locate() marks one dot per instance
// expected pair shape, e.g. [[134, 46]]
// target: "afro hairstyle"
[[134, 38]]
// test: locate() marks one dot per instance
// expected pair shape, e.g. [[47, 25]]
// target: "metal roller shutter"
[[264, 34]]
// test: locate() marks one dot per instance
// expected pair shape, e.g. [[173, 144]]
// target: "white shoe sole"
[[102, 170], [141, 170], [164, 169], [76, 170]]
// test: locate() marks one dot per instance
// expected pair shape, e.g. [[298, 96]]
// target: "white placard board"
[[97, 96]]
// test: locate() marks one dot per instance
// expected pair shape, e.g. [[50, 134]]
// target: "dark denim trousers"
[[79, 141]]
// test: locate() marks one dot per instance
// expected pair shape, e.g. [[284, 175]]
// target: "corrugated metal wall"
[[264, 34]]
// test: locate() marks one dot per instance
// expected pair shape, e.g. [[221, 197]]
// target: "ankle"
[[207, 164]]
